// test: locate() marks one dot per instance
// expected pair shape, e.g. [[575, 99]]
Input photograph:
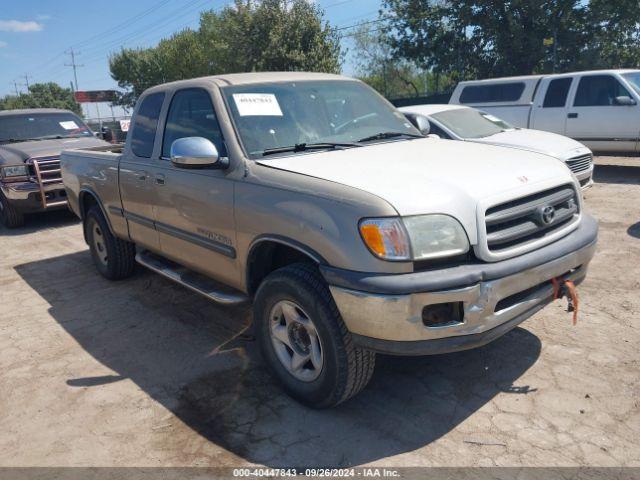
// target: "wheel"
[[9, 216], [114, 258], [305, 342]]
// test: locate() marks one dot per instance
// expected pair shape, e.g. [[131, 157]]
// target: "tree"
[[42, 95], [486, 38], [376, 64], [251, 35]]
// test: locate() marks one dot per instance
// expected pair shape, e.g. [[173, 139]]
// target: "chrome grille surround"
[[517, 226], [580, 163]]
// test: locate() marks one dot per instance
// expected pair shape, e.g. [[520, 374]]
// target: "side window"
[[598, 90], [502, 92], [145, 125], [191, 115], [556, 95]]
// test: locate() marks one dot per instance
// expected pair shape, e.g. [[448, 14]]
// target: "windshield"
[[38, 126], [634, 80], [278, 115], [471, 123]]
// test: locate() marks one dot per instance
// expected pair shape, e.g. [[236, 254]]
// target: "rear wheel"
[[304, 340], [114, 258], [10, 217]]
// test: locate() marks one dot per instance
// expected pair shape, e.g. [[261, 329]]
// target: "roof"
[[430, 109], [252, 77], [537, 77], [27, 111]]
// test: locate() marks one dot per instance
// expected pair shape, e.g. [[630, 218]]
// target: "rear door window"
[[502, 92], [557, 92], [145, 125], [599, 90]]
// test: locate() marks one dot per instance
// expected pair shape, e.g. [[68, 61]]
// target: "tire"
[[10, 217], [345, 369], [114, 258]]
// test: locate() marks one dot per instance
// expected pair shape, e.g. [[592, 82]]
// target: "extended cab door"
[[137, 186], [194, 216], [550, 106], [596, 117]]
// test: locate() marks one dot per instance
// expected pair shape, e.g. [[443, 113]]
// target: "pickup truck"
[[600, 109], [30, 144], [312, 196], [457, 122]]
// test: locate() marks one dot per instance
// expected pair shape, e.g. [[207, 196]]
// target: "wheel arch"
[[270, 252], [87, 198]]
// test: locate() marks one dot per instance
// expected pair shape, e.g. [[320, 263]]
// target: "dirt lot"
[[145, 373]]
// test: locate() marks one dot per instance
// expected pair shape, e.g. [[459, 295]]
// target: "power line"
[[74, 65], [26, 80]]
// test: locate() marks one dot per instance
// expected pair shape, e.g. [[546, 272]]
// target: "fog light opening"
[[442, 314]]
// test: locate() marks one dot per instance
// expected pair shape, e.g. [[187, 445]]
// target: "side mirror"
[[419, 121], [624, 100], [196, 152]]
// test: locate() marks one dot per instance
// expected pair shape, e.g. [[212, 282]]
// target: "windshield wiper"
[[385, 135], [301, 147]]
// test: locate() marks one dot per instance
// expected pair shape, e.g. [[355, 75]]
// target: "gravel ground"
[[143, 372]]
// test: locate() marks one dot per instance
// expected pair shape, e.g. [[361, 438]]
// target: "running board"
[[193, 281]]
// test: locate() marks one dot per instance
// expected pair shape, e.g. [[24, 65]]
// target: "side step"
[[193, 281]]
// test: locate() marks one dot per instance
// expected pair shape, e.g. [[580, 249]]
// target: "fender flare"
[[83, 193]]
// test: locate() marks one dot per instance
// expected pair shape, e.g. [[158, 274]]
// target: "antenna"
[[74, 65]]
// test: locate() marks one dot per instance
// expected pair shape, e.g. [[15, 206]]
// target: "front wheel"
[[114, 258], [304, 340]]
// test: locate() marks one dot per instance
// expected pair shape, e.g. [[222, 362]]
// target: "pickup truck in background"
[[600, 109], [350, 231], [457, 122], [30, 144]]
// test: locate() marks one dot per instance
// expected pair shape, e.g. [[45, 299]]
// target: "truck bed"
[[92, 170]]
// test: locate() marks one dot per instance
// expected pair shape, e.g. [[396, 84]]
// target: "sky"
[[36, 36]]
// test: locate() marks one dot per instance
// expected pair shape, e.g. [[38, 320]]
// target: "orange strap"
[[556, 288], [573, 294]]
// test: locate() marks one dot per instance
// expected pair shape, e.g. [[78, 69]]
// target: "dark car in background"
[[30, 144]]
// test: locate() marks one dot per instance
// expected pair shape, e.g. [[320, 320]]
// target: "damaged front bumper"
[[385, 313]]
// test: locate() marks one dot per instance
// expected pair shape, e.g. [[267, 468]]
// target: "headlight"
[[414, 238], [436, 236], [16, 171]]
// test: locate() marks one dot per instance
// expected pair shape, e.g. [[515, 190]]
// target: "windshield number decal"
[[69, 125], [257, 104]]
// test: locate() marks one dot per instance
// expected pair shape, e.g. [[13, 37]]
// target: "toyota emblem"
[[546, 214]]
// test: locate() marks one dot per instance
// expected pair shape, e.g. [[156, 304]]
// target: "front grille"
[[520, 221], [580, 164]]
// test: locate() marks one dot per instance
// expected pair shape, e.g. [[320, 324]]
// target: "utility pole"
[[74, 65], [15, 85], [26, 82]]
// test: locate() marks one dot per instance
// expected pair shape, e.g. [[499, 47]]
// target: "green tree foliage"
[[251, 35], [490, 38], [42, 95], [392, 76]]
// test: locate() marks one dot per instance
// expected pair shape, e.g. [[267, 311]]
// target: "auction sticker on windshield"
[[257, 104], [70, 125]]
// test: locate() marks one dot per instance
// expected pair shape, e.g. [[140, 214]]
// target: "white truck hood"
[[429, 175], [558, 146]]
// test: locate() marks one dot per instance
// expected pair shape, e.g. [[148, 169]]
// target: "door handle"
[[160, 179], [572, 115], [141, 175]]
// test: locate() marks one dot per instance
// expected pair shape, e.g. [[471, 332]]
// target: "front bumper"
[[26, 196], [384, 312]]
